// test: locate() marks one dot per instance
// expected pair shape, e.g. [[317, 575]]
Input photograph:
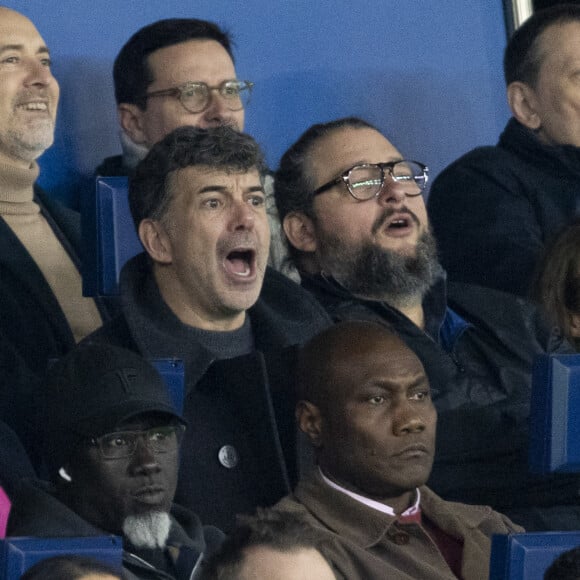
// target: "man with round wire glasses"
[[112, 440], [353, 211], [171, 73]]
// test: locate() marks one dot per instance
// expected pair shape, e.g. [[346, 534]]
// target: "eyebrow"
[[7, 47], [389, 385], [362, 162], [225, 188]]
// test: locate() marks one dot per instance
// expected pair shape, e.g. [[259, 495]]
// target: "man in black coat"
[[495, 209], [355, 218], [172, 73], [42, 310], [202, 292], [112, 445]]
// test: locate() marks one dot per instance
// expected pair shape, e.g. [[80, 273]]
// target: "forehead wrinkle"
[[342, 144], [411, 381], [550, 40], [21, 48]]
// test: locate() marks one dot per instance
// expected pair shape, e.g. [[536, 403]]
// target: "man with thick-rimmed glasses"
[[177, 72], [162, 76], [112, 439], [353, 211]]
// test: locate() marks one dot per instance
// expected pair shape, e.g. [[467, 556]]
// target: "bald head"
[[329, 355], [366, 408], [6, 12]]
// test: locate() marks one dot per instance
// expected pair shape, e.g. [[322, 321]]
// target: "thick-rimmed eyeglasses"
[[367, 181], [122, 444], [195, 96]]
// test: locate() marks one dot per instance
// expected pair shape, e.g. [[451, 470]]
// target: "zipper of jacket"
[[145, 563], [194, 572], [196, 568], [451, 354], [458, 364]]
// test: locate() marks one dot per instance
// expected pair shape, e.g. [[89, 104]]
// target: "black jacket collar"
[[337, 297]]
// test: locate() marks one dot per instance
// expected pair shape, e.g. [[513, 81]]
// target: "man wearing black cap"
[[112, 440]]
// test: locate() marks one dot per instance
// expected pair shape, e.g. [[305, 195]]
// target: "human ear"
[[155, 240], [300, 231], [309, 421], [522, 101], [130, 119], [575, 325]]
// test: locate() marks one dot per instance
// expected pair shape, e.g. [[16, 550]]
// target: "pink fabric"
[[5, 506]]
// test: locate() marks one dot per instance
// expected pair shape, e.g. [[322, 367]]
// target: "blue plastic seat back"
[[19, 554], [109, 236], [555, 415], [528, 556], [172, 372]]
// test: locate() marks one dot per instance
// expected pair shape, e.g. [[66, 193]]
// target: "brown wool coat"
[[366, 544]]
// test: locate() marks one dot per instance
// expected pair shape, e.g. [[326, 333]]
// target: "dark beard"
[[376, 273]]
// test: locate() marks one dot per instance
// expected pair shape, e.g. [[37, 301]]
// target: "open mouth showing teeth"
[[240, 262], [34, 106], [399, 223]]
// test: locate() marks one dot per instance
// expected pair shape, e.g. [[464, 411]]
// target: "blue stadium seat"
[[109, 236], [528, 556], [555, 414], [172, 372], [19, 554]]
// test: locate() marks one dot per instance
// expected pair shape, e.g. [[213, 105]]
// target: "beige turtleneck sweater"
[[23, 216]]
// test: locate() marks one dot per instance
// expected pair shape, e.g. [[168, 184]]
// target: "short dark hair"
[[565, 567], [221, 148], [292, 182], [557, 284], [523, 55], [131, 73], [69, 567], [279, 531]]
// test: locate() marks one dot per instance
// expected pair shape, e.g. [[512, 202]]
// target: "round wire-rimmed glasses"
[[195, 96]]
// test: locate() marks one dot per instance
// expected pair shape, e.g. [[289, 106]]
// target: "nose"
[[38, 73], [243, 216], [393, 192], [144, 461], [407, 419], [216, 112]]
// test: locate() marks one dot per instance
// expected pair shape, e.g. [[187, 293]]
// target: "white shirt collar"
[[376, 505]]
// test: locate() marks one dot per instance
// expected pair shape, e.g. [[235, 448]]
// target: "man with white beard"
[[112, 448]]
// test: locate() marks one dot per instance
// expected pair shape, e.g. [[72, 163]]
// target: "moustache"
[[245, 240]]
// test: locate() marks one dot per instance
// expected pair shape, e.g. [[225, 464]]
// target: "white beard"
[[28, 142], [149, 530]]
